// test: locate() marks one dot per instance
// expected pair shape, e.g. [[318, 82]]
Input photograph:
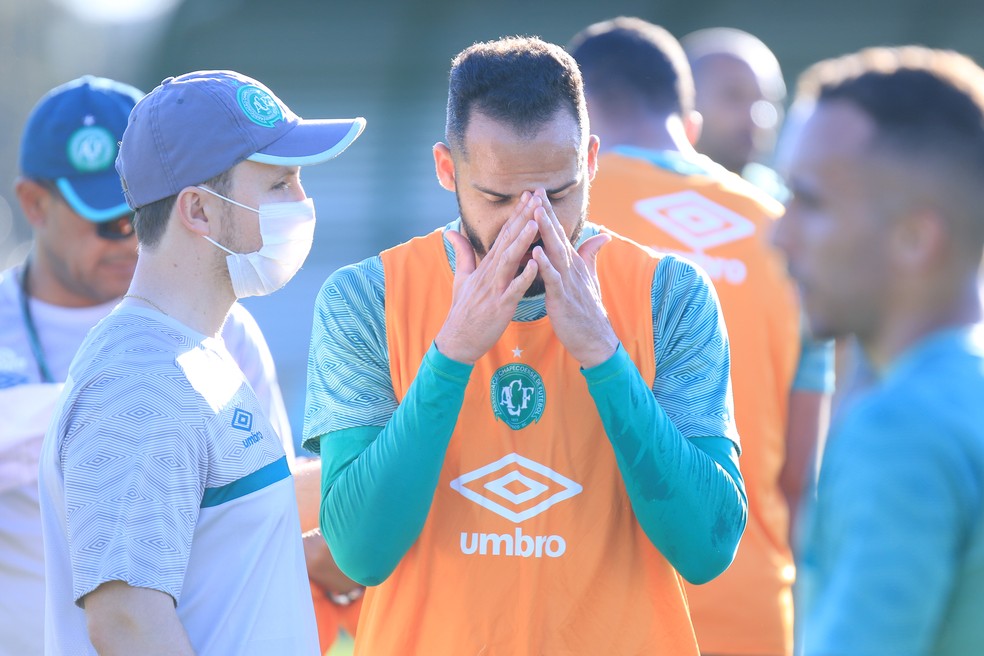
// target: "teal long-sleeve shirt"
[[379, 480], [891, 557]]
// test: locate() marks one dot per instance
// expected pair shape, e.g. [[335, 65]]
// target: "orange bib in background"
[[530, 546], [723, 224]]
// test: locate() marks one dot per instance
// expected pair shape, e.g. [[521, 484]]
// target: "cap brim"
[[96, 197], [311, 142]]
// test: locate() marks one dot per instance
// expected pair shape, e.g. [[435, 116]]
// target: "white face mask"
[[287, 231]]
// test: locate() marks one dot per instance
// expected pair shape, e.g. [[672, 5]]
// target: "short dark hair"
[[928, 110], [51, 186], [520, 81], [629, 62], [150, 221]]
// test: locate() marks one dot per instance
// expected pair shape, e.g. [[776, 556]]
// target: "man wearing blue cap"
[[84, 256], [169, 512]]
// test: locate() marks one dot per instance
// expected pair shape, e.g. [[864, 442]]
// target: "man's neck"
[[187, 289], [666, 134], [960, 308], [42, 284]]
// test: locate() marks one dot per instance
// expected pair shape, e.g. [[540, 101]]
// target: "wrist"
[[451, 351], [600, 354]]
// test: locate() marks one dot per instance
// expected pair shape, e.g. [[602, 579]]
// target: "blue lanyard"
[[32, 331]]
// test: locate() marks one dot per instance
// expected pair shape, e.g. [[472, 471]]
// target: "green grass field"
[[342, 647]]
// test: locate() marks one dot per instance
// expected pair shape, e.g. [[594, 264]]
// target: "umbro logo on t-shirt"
[[242, 420]]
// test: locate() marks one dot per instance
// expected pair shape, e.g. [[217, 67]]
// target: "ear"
[[593, 145], [193, 207], [34, 200], [444, 165], [919, 239], [693, 123]]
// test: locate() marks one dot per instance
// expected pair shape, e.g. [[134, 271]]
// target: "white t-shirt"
[[26, 404], [160, 469]]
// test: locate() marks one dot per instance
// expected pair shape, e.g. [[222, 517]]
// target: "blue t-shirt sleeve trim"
[[259, 479]]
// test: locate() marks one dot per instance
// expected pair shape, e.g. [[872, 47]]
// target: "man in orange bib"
[[524, 421], [653, 187]]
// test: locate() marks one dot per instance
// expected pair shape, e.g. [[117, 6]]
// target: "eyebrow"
[[286, 173], [550, 192]]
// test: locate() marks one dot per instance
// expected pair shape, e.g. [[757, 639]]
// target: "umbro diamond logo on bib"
[[515, 487], [694, 220]]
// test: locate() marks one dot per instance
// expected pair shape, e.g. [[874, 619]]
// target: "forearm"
[[688, 495], [127, 620], [321, 566], [375, 497], [307, 487]]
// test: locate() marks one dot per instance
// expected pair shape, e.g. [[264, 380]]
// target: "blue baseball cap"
[[193, 127], [71, 138]]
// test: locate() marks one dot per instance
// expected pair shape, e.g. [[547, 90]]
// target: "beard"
[[481, 249]]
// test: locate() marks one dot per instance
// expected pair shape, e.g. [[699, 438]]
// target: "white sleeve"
[[133, 480]]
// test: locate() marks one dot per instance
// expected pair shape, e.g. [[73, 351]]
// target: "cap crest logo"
[[91, 149], [259, 106]]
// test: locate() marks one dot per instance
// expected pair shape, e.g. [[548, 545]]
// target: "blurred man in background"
[[81, 264], [653, 187], [740, 93], [884, 235]]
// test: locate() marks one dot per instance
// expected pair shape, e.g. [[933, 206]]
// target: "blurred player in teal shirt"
[[884, 235]]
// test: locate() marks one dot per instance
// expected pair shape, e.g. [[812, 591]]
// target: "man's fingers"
[[551, 221], [555, 244], [590, 248], [464, 254], [521, 283], [512, 225], [502, 265]]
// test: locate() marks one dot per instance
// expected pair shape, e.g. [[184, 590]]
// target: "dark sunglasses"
[[117, 229]]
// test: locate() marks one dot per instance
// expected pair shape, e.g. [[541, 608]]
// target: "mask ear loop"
[[228, 200], [215, 243]]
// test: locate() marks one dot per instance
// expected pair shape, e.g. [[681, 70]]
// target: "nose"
[[299, 194]]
